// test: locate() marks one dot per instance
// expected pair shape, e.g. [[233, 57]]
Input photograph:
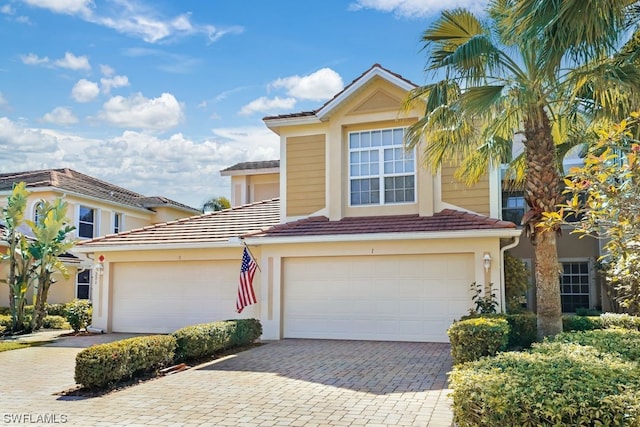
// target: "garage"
[[160, 297], [377, 297]]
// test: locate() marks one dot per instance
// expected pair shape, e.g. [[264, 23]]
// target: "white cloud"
[[33, 59], [106, 70], [67, 7], [417, 8], [138, 112], [73, 62], [113, 82], [318, 86], [266, 105], [176, 167], [135, 19], [60, 116], [85, 91], [6, 9]]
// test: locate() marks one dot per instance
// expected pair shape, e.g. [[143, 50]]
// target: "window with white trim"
[[83, 285], [37, 212], [381, 171], [575, 286], [86, 222], [117, 222]]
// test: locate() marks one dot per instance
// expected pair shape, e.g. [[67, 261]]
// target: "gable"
[[379, 100]]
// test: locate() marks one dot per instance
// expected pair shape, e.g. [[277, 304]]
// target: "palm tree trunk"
[[542, 194]]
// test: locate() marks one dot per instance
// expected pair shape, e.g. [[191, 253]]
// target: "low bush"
[[610, 320], [102, 365], [5, 323], [55, 322], [473, 338], [78, 313], [581, 323], [204, 340], [5, 311], [623, 342], [56, 310], [523, 328], [553, 384]]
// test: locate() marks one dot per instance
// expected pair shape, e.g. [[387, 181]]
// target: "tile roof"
[[337, 95], [264, 164], [446, 220], [214, 227], [73, 181]]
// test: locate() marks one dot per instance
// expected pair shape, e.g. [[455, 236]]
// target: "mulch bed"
[[144, 377]]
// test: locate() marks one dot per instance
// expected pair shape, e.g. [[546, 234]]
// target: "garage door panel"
[[406, 298], [160, 297]]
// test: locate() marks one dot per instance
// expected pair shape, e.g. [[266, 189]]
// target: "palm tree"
[[498, 86]]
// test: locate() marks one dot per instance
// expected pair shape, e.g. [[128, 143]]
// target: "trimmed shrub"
[[56, 310], [473, 338], [5, 311], [78, 313], [55, 322], [581, 323], [554, 384], [523, 328], [204, 340], [102, 365], [622, 342], [5, 323], [623, 320]]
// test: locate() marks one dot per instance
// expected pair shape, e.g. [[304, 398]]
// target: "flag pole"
[[251, 253]]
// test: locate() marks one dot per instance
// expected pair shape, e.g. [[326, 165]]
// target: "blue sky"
[[159, 96]]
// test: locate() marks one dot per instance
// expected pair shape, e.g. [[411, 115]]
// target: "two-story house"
[[95, 208], [363, 243]]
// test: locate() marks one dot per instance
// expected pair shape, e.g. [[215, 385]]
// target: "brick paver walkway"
[[283, 383]]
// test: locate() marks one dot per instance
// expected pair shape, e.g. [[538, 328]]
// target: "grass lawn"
[[7, 345]]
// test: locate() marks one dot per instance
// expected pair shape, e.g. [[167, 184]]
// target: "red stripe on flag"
[[246, 294]]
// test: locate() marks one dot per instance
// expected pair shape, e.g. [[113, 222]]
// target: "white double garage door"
[[394, 298]]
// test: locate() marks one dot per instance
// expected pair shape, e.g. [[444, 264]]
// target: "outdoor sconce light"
[[487, 261], [99, 267]]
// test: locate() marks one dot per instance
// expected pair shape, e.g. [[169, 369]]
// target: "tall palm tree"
[[498, 86]]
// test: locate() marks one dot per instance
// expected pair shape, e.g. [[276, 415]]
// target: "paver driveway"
[[283, 383]]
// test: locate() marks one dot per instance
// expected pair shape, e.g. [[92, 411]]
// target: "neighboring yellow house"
[[95, 208], [363, 243]]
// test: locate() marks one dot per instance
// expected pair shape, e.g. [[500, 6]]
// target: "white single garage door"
[[390, 298], [161, 297]]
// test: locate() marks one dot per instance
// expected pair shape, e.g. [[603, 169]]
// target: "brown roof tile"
[[212, 227], [73, 181], [446, 220], [264, 164]]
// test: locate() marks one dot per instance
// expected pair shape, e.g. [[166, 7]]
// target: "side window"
[[513, 206], [117, 222], [83, 285], [37, 212], [86, 222]]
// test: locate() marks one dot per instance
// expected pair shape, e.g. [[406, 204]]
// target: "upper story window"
[[86, 222], [513, 206], [37, 212], [381, 171], [117, 222]]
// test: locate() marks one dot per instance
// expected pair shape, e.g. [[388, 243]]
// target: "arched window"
[[37, 212]]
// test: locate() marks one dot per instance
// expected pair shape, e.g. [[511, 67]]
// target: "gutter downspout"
[[503, 297]]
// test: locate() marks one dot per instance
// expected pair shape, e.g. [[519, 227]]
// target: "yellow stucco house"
[[95, 208], [363, 242]]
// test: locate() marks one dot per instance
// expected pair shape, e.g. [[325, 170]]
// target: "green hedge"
[[5, 323], [55, 322], [622, 342], [581, 323], [204, 340], [102, 365], [554, 384], [523, 328], [473, 338]]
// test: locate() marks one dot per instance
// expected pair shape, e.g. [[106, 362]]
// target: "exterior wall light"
[[487, 261]]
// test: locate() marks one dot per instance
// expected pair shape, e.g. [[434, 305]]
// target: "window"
[[117, 222], [37, 212], [86, 222], [513, 206], [381, 171], [575, 286], [83, 285]]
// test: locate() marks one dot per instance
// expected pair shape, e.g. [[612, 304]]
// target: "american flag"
[[246, 295]]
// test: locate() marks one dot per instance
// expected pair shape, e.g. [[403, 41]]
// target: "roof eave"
[[428, 235], [240, 172], [95, 248]]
